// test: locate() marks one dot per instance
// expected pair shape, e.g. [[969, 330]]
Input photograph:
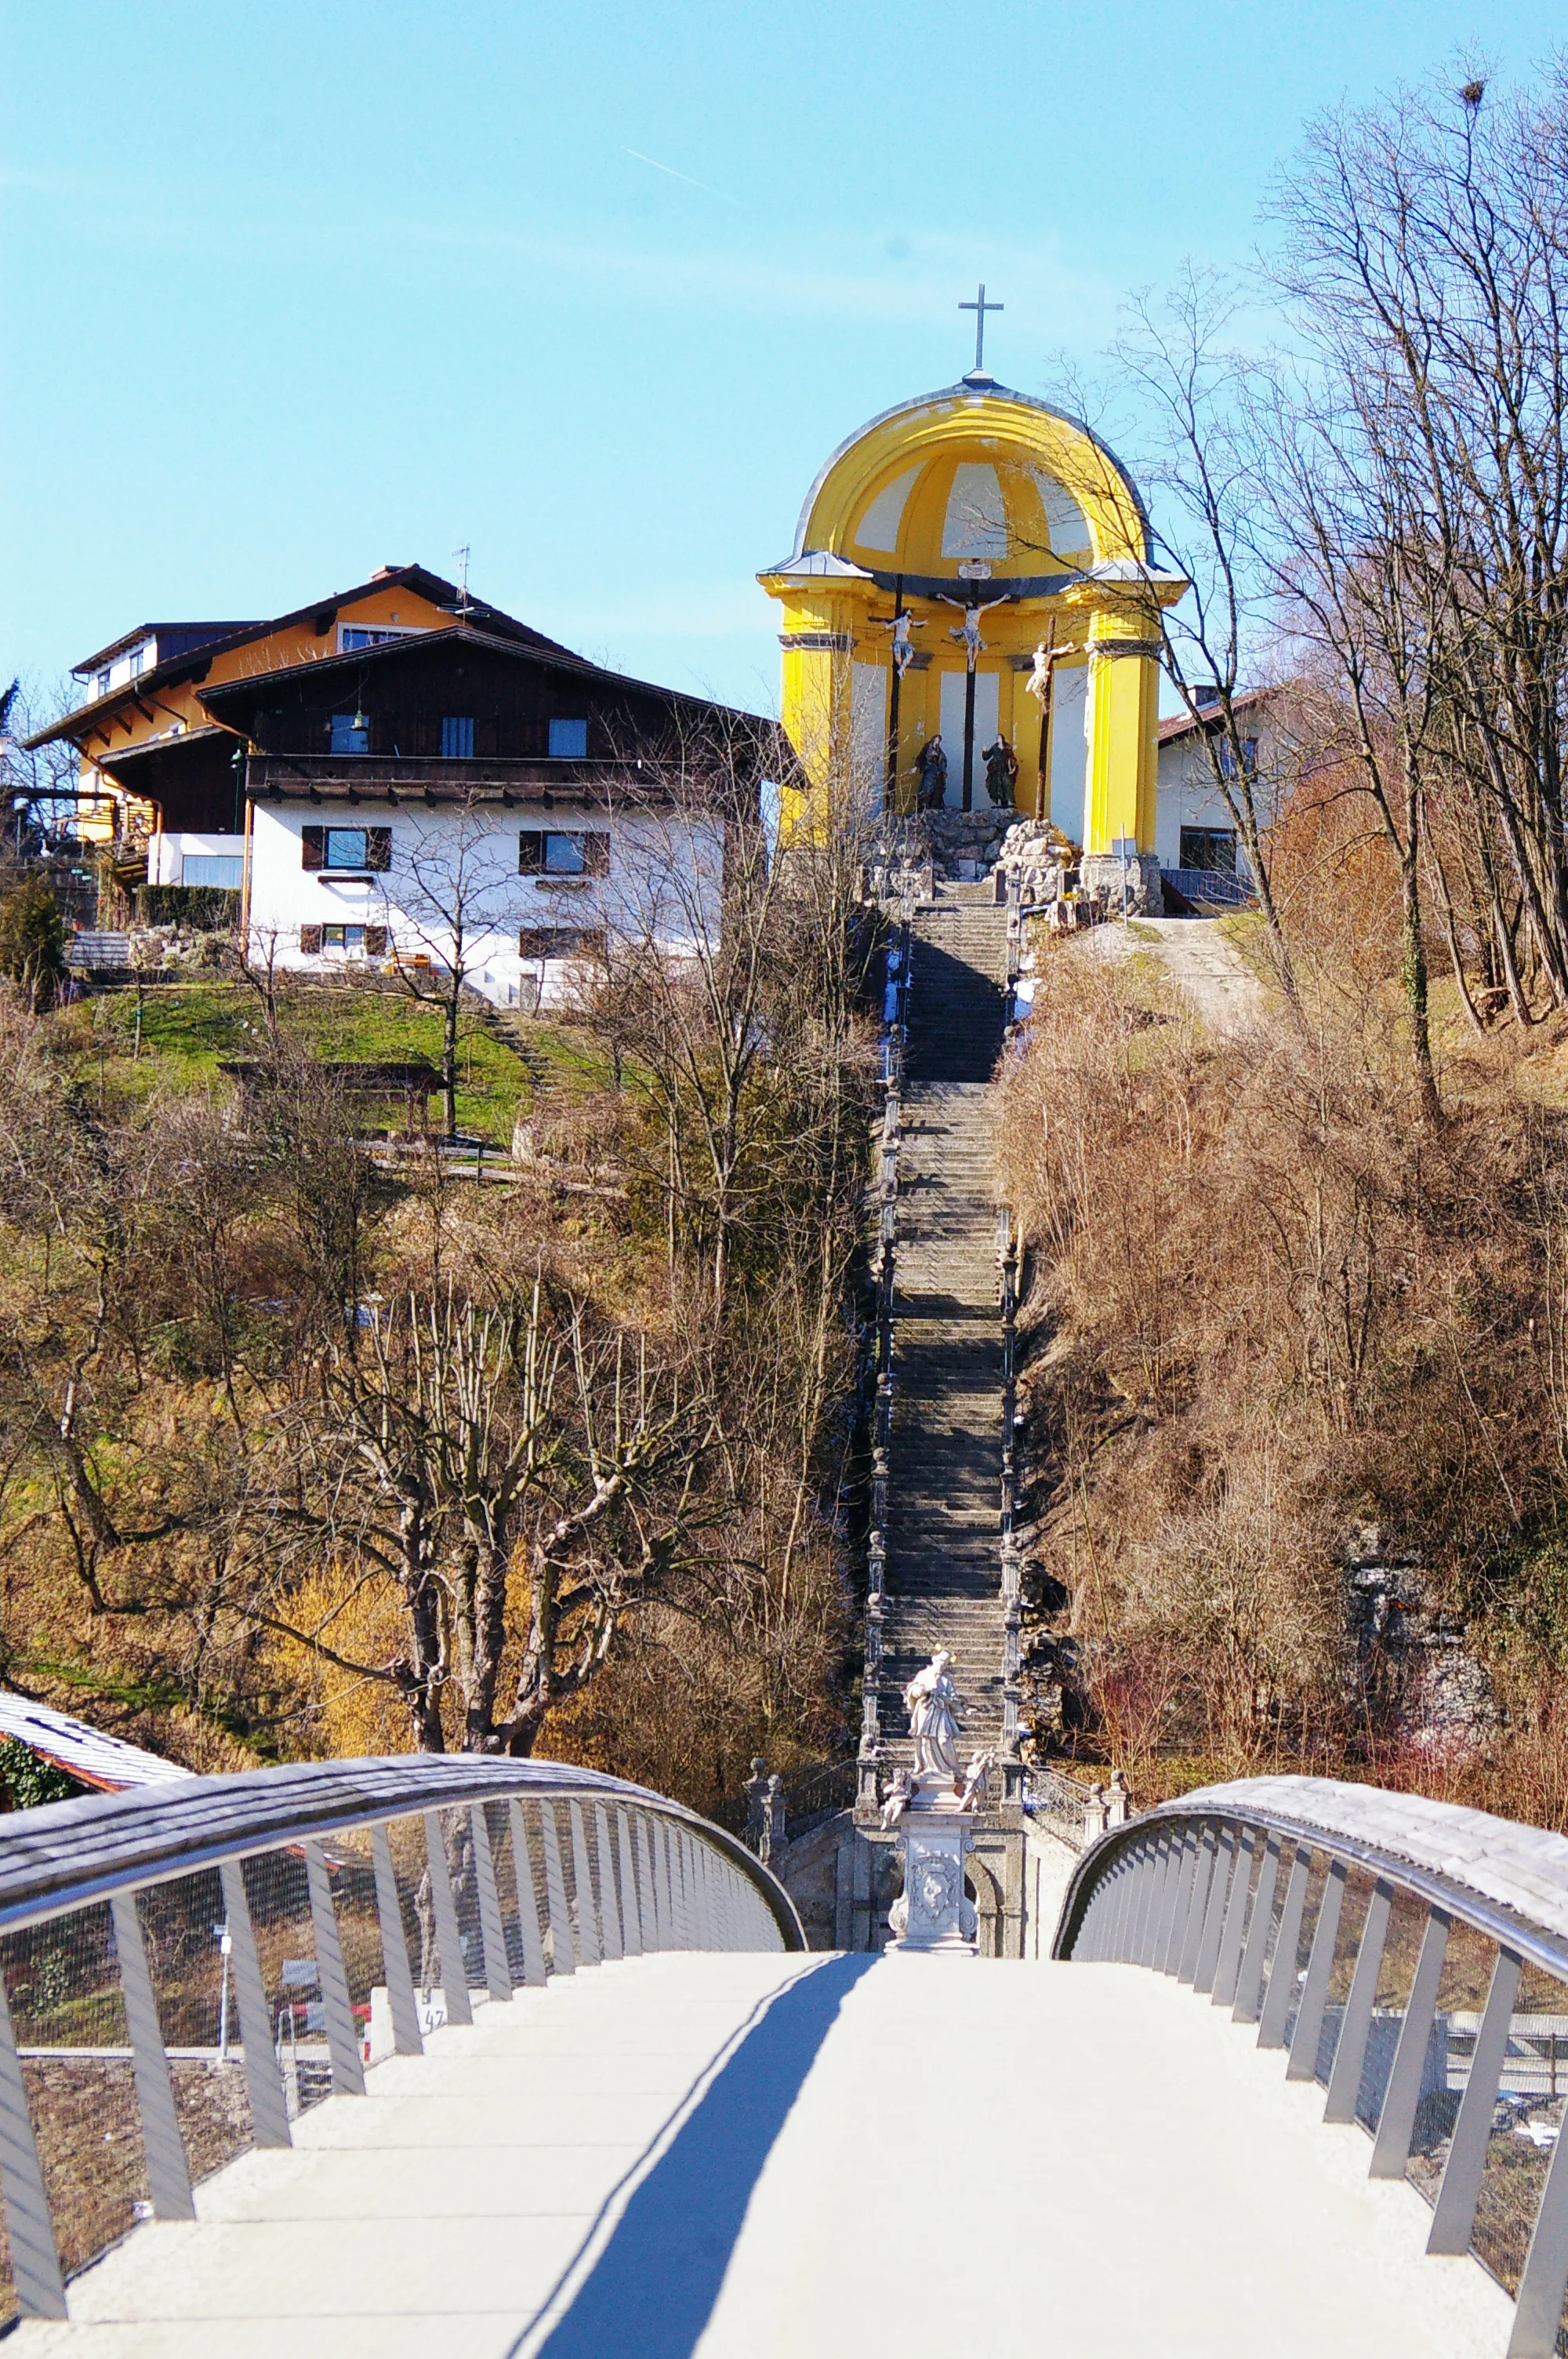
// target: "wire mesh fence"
[[153, 2037]]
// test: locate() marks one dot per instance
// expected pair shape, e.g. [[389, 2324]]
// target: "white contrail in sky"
[[671, 170]]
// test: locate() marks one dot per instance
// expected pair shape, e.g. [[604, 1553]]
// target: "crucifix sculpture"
[[979, 306], [1047, 655], [970, 632]]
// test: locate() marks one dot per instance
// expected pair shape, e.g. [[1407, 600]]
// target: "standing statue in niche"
[[931, 775], [931, 1701], [1002, 771]]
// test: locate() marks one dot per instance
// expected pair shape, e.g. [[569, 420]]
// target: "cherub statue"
[[901, 1793], [977, 1779]]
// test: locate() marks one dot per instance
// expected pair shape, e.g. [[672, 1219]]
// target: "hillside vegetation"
[[1282, 1330], [305, 1454]]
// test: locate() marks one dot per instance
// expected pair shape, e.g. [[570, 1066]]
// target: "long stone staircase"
[[944, 1562]]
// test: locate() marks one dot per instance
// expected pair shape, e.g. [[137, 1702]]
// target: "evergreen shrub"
[[203, 909]]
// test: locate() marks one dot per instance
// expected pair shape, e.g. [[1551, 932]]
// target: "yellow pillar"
[[1124, 691]]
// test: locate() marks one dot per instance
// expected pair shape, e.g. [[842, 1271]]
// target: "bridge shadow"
[[650, 2292]]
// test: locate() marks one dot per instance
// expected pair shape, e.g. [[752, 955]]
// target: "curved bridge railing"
[[1411, 1956], [186, 1968]]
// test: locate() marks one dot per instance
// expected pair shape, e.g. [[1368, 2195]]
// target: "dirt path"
[[1201, 959]]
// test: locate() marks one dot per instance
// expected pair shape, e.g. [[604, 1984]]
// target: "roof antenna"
[[462, 556]]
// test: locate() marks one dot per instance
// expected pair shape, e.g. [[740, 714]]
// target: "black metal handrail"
[[1198, 1889]]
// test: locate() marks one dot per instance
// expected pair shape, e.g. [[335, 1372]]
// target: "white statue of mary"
[[931, 1700]]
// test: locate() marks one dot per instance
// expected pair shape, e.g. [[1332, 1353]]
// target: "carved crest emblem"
[[936, 1887]]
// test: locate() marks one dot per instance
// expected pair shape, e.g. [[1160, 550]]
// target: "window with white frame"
[[219, 870], [373, 634]]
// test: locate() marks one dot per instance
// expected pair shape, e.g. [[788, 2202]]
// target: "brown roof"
[[194, 660], [1180, 724]]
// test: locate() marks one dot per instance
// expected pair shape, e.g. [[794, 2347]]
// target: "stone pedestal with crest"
[[933, 1912]]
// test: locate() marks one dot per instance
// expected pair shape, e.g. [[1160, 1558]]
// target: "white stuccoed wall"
[[648, 854]]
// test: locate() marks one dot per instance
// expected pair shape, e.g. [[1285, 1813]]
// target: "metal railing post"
[[680, 1906], [630, 1909], [609, 1907], [169, 2178], [647, 1890], [1302, 2065], [1250, 1973], [1453, 2214], [1144, 1880], [708, 1931], [1110, 1949], [1197, 1905], [534, 1975], [343, 2039], [661, 1883], [1350, 2051], [1159, 1931], [1228, 1962], [1396, 2123], [1127, 1902], [1538, 2305], [264, 2084], [493, 1932], [1187, 1869], [587, 1946], [35, 2258], [1282, 1973], [1213, 1915], [563, 1950], [444, 1908], [686, 1885], [406, 2037]]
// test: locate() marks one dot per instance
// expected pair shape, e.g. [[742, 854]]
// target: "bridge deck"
[[772, 2158]]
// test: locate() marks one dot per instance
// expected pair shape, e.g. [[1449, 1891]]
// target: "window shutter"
[[531, 852], [375, 941], [378, 847], [310, 936], [313, 850], [596, 855]]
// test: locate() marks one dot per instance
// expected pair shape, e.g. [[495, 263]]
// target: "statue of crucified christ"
[[970, 629]]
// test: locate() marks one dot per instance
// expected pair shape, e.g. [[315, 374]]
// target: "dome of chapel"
[[969, 477]]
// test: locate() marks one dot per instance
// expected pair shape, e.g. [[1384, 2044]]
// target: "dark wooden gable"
[[407, 693]]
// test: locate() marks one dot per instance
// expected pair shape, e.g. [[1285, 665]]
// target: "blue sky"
[[298, 287]]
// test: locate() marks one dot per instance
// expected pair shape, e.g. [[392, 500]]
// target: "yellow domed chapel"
[[973, 567]]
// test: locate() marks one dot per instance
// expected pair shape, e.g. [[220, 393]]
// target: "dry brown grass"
[[1269, 1310]]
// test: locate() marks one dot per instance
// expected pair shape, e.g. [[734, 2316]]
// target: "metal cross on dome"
[[979, 306]]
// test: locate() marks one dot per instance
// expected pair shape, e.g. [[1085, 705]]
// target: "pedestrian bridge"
[[471, 2059]]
